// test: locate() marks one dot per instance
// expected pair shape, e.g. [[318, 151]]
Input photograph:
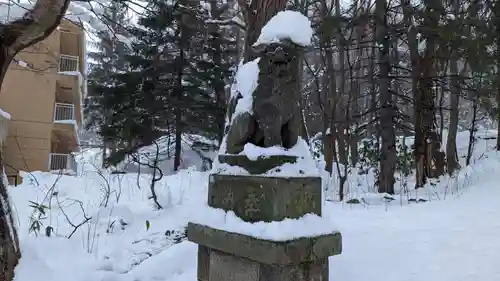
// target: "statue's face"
[[280, 54]]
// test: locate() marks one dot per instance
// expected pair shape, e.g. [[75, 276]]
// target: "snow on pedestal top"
[[310, 225], [254, 152], [287, 25], [304, 167]]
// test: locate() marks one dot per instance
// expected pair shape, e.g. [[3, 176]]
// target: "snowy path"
[[449, 240], [455, 239]]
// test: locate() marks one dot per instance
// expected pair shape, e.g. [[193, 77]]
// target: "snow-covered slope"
[[196, 152], [360, 183], [115, 244], [452, 237]]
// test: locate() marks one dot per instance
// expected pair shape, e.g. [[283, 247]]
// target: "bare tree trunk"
[[36, 25], [104, 153], [9, 243], [496, 13], [441, 111], [414, 57], [178, 141], [341, 107], [430, 161], [498, 124], [257, 14], [155, 179], [187, 18], [218, 82], [387, 113], [329, 88], [329, 108], [452, 163], [355, 93], [328, 149], [472, 131], [498, 115], [372, 116], [342, 173]]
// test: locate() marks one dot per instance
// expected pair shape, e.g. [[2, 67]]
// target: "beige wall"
[[29, 95], [26, 95]]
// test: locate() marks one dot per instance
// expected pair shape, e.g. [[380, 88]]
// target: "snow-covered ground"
[[195, 151], [453, 236]]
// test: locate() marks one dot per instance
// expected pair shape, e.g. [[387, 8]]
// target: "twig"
[[75, 227]]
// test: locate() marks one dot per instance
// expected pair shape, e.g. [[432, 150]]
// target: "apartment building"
[[43, 92]]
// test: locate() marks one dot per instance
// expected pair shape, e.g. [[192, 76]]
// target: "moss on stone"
[[258, 198], [353, 201]]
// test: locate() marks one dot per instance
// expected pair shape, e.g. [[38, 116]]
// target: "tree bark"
[[498, 111], [257, 14], [178, 140], [430, 161], [9, 243], [328, 89], [472, 130], [452, 163], [218, 81], [36, 25], [451, 143], [387, 113], [357, 77], [498, 124]]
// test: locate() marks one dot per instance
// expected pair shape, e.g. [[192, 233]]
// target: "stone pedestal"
[[259, 198], [225, 256]]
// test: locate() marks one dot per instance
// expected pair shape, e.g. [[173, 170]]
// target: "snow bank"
[[452, 238], [196, 152], [309, 225], [361, 181], [115, 243], [289, 25]]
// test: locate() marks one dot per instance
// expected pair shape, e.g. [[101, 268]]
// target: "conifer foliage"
[[169, 81]]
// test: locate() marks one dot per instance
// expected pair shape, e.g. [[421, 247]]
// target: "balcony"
[[68, 63], [65, 126], [64, 113], [61, 162], [70, 83], [69, 90]]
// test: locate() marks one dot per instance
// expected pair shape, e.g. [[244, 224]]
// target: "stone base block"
[[214, 265], [259, 198], [225, 267], [276, 253]]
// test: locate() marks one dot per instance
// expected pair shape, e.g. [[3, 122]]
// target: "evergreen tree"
[[172, 82], [105, 63]]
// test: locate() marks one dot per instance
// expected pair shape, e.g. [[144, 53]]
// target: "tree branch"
[[36, 24]]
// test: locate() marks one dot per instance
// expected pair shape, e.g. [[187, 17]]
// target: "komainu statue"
[[275, 115]]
